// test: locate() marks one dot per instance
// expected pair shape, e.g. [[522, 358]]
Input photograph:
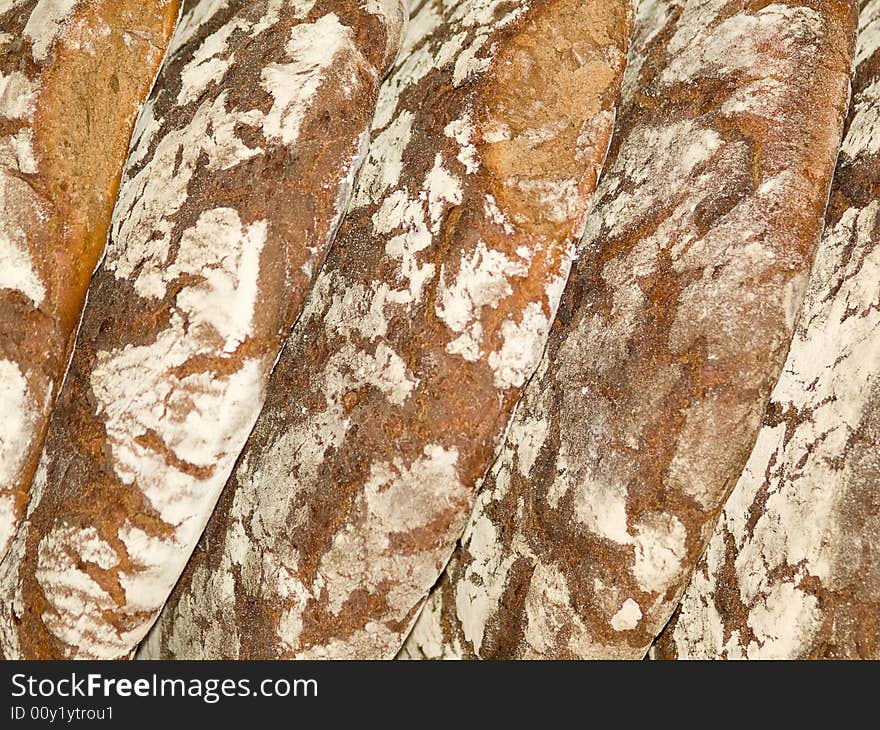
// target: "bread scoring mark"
[[45, 24], [393, 13]]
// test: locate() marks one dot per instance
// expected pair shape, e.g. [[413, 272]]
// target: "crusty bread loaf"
[[793, 569], [240, 170], [393, 393], [73, 75], [669, 339]]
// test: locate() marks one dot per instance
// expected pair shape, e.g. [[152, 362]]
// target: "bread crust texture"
[[671, 335], [73, 76], [393, 394], [793, 568], [240, 170]]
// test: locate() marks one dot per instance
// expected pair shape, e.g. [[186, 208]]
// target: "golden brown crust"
[[72, 78]]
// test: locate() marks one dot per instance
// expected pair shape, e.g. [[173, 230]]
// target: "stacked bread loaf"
[[385, 358], [72, 78], [672, 333], [239, 172], [793, 569], [428, 318]]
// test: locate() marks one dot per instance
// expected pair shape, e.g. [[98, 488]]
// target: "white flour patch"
[[17, 271], [480, 589], [522, 348], [74, 597], [17, 422], [482, 281], [628, 617], [312, 48], [17, 96], [8, 517], [45, 23]]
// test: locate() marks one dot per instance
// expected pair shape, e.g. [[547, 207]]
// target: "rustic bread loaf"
[[670, 337], [73, 75], [240, 171], [393, 393], [793, 569]]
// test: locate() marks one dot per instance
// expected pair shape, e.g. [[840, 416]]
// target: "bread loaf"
[[670, 337], [240, 170], [793, 569], [392, 395], [73, 75]]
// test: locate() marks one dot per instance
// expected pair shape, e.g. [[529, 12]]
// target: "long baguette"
[[241, 168], [670, 337], [793, 569], [73, 76]]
